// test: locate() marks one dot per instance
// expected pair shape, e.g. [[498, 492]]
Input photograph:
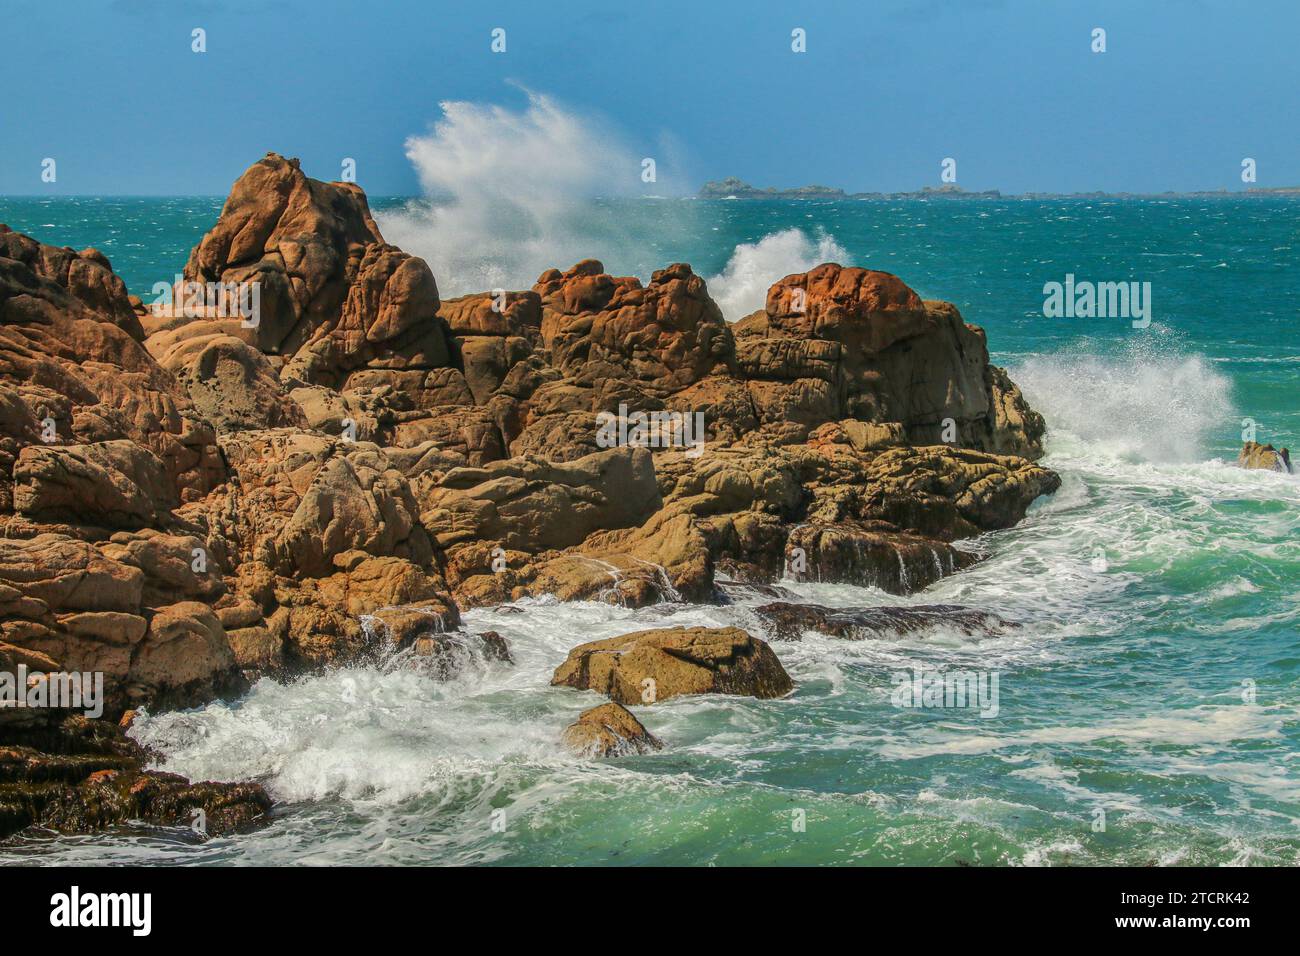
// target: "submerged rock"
[[787, 622], [445, 656], [1264, 457], [650, 666], [609, 730]]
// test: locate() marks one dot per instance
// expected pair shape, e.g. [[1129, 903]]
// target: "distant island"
[[733, 188]]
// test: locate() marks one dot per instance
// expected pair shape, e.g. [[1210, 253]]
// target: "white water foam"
[[508, 195]]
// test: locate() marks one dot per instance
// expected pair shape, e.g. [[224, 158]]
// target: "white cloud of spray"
[[1147, 402], [509, 194], [741, 287]]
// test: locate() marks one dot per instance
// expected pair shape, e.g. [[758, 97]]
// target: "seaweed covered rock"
[[75, 775]]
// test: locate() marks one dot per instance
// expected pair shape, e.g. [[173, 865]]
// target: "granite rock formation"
[[199, 494]]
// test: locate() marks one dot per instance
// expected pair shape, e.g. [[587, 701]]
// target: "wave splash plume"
[[1140, 404], [741, 287], [506, 194]]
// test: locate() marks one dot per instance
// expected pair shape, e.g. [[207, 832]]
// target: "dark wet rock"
[[87, 776], [871, 557], [731, 592], [788, 622]]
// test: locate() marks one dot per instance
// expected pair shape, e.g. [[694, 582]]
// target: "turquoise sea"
[[1149, 707]]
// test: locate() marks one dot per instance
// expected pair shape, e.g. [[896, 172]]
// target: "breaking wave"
[[501, 193], [741, 287], [508, 194], [1138, 405]]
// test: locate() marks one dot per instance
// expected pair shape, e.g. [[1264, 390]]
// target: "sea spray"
[[1140, 403], [741, 287], [509, 194]]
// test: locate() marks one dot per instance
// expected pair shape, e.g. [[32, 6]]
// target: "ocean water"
[[1149, 705]]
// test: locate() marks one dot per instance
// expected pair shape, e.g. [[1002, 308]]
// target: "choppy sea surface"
[[1149, 707]]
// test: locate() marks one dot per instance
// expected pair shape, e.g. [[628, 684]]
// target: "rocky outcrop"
[[788, 622], [757, 510], [1264, 457], [609, 730], [122, 609], [650, 666], [309, 458], [73, 373], [839, 343]]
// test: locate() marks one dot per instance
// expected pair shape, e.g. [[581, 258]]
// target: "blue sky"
[[885, 91]]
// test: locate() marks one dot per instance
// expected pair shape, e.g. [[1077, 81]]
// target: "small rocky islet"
[[191, 501]]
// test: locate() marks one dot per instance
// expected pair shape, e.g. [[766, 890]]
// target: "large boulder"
[[651, 666], [99, 609]]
